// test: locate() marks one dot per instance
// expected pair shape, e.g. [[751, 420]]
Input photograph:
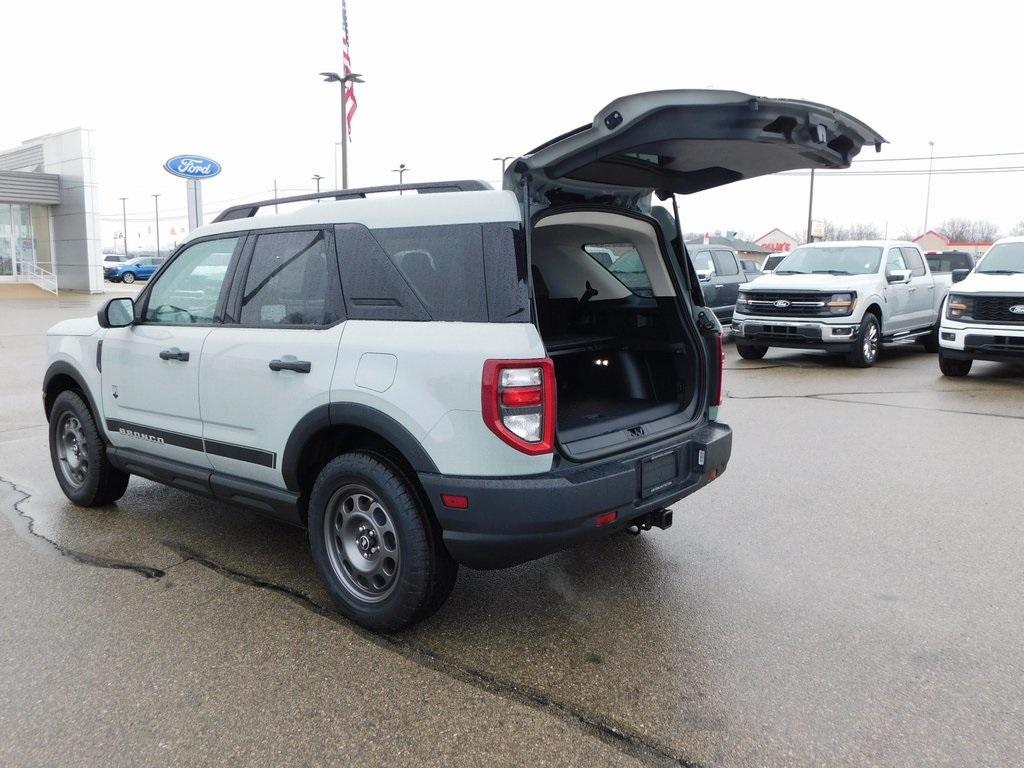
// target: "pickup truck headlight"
[[841, 303], [959, 306], [743, 302]]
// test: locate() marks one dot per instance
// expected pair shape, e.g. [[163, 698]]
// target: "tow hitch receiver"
[[659, 518]]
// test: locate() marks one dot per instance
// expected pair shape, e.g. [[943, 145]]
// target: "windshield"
[[832, 260], [1006, 258]]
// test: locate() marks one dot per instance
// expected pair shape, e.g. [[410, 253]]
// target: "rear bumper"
[[511, 520], [795, 334]]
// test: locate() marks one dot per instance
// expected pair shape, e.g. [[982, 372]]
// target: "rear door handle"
[[174, 354], [299, 366]]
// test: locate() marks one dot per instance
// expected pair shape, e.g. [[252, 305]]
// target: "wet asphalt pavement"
[[848, 593]]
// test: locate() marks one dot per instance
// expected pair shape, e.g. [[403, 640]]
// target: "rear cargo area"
[[625, 362]]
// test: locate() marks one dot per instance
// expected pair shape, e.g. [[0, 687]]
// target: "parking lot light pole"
[[343, 81], [928, 193], [124, 221], [810, 209], [400, 170], [156, 202], [503, 161], [316, 178]]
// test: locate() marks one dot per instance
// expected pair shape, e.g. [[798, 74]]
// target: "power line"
[[937, 157]]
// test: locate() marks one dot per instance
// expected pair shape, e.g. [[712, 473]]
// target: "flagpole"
[[344, 139]]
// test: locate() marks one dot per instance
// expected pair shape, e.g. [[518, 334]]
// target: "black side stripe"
[[242, 453], [192, 443]]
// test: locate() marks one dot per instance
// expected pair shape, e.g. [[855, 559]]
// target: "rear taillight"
[[518, 399], [721, 369]]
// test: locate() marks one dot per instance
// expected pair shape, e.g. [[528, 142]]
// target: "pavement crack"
[[837, 397], [24, 522], [638, 746]]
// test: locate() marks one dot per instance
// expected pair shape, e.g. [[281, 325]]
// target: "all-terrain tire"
[[79, 455], [374, 544]]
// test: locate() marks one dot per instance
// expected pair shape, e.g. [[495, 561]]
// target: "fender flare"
[[353, 415], [63, 368]]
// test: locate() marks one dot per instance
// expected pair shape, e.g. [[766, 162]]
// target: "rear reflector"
[[721, 371], [522, 396], [453, 501], [606, 518]]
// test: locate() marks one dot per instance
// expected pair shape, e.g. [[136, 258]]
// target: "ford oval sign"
[[194, 167], [781, 304], [1017, 309]]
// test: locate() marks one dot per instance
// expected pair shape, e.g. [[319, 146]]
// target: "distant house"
[[777, 241], [936, 241], [744, 248]]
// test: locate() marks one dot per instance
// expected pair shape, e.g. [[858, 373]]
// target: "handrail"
[[248, 210], [42, 278]]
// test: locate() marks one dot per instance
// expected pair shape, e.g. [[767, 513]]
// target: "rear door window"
[[725, 263], [290, 281]]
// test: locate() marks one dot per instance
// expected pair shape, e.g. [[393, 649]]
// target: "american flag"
[[349, 102]]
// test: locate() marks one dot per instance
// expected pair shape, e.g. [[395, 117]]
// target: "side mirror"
[[898, 275], [960, 274], [117, 313], [704, 275]]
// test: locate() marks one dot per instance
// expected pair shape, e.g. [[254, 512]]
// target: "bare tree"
[[906, 234], [969, 230], [1018, 229]]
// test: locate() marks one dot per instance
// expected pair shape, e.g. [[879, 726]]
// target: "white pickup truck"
[[984, 317], [844, 297]]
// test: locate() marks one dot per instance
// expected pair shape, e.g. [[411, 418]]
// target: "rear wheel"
[[751, 351], [953, 367], [128, 277], [374, 544], [866, 344], [79, 456]]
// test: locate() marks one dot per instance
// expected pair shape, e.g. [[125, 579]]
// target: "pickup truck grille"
[[996, 309], [793, 304]]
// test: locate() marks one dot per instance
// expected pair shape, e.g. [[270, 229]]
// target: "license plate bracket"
[[658, 473]]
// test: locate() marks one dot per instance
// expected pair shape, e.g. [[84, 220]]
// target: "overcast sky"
[[452, 84]]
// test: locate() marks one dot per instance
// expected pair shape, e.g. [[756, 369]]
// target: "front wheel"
[[374, 544], [931, 341], [79, 456], [128, 277], [751, 351], [952, 367], [866, 344]]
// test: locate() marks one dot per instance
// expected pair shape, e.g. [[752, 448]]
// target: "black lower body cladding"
[[510, 520]]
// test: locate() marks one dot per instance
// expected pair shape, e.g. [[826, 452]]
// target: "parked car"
[[430, 380], [113, 259], [848, 297], [721, 276], [772, 262], [750, 267], [983, 316], [140, 268]]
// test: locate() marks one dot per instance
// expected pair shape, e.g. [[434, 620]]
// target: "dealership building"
[[49, 222]]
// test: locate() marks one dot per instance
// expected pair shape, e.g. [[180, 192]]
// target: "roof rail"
[[248, 210]]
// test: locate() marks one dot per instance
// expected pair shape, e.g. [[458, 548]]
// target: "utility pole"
[[928, 194], [124, 219], [810, 209], [156, 201], [400, 170]]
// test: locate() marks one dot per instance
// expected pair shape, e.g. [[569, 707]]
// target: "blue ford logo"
[[1017, 309], [781, 303], [192, 167]]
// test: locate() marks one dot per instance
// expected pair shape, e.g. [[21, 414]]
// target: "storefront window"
[[24, 238]]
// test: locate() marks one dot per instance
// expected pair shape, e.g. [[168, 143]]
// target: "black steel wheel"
[[375, 545], [79, 455]]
